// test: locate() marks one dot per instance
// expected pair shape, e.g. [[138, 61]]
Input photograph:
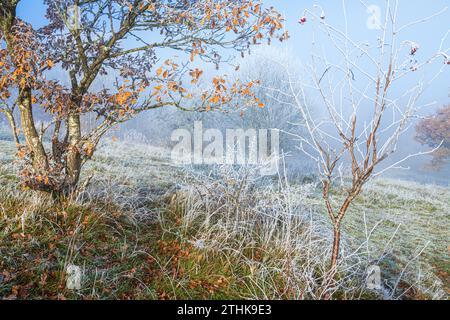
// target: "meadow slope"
[[145, 228]]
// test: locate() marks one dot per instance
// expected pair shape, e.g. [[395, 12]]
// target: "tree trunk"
[[12, 123], [329, 276], [34, 143], [336, 247], [73, 154]]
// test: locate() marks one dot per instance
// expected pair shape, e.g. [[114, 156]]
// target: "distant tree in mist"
[[435, 132], [279, 112]]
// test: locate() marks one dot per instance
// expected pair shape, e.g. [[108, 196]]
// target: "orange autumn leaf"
[[21, 153]]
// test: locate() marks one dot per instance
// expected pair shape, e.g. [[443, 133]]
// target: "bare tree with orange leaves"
[[91, 40]]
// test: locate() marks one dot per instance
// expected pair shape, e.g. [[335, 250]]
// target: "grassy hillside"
[[146, 229]]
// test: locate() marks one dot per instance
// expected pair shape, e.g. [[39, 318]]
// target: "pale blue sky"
[[427, 35]]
